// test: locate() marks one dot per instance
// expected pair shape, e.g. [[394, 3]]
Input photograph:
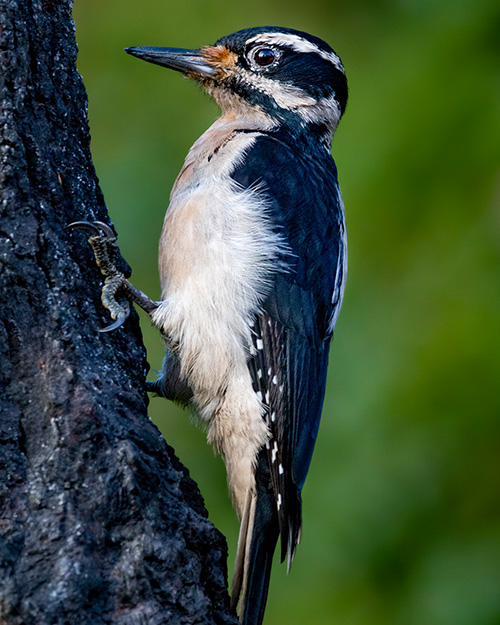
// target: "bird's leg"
[[103, 243], [171, 384]]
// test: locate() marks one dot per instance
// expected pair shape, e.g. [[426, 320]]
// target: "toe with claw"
[[103, 242]]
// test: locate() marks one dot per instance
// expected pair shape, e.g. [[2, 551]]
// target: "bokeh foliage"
[[401, 508]]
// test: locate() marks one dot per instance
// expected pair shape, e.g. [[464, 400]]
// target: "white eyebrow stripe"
[[298, 44]]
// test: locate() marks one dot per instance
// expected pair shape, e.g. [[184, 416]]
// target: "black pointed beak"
[[189, 62]]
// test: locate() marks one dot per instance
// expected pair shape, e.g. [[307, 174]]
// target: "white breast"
[[217, 254]]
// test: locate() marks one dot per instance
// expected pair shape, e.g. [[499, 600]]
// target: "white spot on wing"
[[341, 270], [260, 344]]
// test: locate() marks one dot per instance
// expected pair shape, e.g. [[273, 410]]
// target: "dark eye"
[[264, 56]]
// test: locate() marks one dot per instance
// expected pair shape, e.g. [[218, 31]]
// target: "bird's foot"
[[103, 242]]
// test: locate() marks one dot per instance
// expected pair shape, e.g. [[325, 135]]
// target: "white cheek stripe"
[[326, 110], [299, 44], [286, 96]]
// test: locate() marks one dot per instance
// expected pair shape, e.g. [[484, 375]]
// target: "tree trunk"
[[99, 522]]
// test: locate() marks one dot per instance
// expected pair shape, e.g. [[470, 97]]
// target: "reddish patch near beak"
[[219, 57]]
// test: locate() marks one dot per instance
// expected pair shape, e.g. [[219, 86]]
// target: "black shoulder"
[[302, 193], [290, 170], [292, 331]]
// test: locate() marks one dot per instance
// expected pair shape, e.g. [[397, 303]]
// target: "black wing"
[[292, 335]]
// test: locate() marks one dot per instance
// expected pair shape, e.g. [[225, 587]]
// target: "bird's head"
[[285, 75]]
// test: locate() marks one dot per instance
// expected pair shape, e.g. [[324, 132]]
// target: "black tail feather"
[[260, 557]]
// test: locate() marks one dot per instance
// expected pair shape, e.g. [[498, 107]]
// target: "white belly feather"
[[217, 253]]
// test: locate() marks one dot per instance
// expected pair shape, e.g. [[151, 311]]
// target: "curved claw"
[[94, 228], [116, 324], [85, 226], [107, 231]]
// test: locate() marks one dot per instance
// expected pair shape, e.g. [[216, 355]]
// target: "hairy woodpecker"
[[252, 262]]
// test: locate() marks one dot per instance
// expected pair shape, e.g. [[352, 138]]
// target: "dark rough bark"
[[99, 522]]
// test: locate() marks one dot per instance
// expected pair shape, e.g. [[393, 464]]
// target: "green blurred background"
[[401, 507]]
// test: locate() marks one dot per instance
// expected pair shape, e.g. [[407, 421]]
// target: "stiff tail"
[[256, 544]]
